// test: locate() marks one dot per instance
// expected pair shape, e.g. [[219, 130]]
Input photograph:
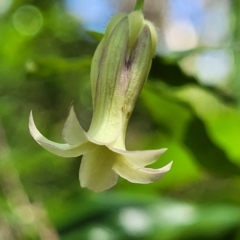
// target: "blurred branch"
[[32, 218], [236, 34]]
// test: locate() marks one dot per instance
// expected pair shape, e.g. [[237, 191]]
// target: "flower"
[[120, 67]]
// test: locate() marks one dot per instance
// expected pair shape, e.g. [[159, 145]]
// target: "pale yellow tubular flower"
[[120, 66]]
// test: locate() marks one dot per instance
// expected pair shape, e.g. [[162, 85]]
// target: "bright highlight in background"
[[213, 66], [100, 233], [4, 6], [27, 20], [135, 221], [181, 36]]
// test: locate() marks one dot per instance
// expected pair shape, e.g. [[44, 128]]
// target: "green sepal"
[[153, 36], [136, 24], [113, 22]]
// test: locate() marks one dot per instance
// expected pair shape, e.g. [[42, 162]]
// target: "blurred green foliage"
[[46, 71]]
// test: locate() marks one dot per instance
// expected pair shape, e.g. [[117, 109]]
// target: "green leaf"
[[213, 158], [169, 72], [165, 110], [48, 66], [95, 35]]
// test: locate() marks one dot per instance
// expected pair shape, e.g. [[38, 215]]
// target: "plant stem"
[[139, 5]]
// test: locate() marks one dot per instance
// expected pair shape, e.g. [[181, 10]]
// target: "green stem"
[[139, 5]]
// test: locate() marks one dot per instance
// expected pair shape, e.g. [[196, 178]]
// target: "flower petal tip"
[[167, 167], [72, 132], [33, 129], [96, 189], [141, 175]]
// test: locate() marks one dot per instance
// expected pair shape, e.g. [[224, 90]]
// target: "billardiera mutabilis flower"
[[119, 69]]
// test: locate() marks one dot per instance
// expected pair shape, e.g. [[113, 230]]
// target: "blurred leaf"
[[48, 66], [222, 120], [235, 81], [171, 115], [177, 116], [208, 155], [95, 35], [169, 72]]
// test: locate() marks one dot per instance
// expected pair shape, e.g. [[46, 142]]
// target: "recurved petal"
[[136, 174], [140, 158], [96, 169], [62, 150], [73, 133]]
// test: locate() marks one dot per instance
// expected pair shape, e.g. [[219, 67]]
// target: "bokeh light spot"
[[135, 221], [214, 66], [181, 36], [4, 6], [27, 20], [100, 233]]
